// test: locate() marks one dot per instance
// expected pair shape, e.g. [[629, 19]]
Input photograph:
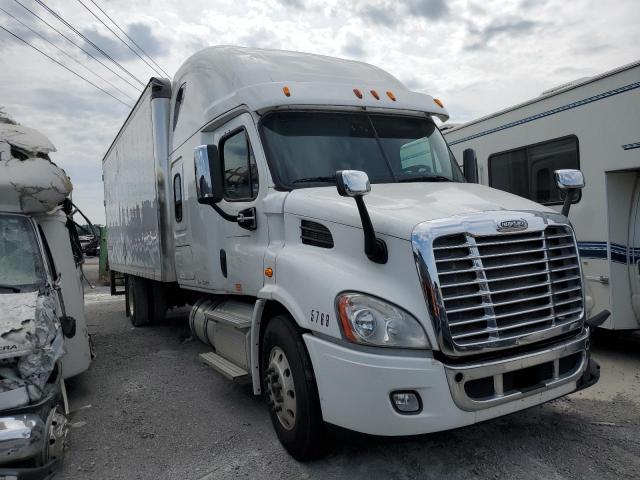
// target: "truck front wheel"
[[138, 301], [291, 391]]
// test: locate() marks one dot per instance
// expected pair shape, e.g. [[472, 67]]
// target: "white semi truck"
[[43, 333], [239, 188]]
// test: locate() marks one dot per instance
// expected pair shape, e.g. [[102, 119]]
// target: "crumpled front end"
[[32, 424], [31, 342]]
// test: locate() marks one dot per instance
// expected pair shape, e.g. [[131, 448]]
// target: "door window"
[[528, 171], [177, 197], [240, 171]]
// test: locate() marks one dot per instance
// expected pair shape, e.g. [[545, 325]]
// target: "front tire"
[[291, 390]]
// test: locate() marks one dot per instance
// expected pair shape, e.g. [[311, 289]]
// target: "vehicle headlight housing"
[[370, 321]]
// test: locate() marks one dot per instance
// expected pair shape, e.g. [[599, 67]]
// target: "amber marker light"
[[268, 272], [375, 94], [344, 319], [286, 91], [357, 92], [438, 102], [391, 95]]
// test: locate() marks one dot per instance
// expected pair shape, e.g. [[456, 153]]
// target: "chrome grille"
[[500, 288]]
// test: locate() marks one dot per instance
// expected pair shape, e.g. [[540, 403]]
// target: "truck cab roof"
[[221, 78]]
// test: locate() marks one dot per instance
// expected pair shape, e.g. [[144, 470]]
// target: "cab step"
[[225, 367]]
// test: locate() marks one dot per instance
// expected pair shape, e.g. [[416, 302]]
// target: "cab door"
[[634, 248], [243, 243], [181, 232]]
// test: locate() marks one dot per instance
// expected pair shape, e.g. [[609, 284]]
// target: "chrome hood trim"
[[480, 224]]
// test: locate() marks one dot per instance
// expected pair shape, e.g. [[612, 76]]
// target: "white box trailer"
[[591, 124], [432, 305]]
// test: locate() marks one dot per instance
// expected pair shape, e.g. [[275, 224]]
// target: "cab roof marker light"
[[286, 91], [357, 92], [391, 95], [438, 102], [375, 94]]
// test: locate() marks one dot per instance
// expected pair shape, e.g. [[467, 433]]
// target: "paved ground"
[[147, 409]]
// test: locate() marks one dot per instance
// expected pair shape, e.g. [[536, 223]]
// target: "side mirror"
[[470, 165], [209, 174], [570, 180], [352, 183], [355, 184]]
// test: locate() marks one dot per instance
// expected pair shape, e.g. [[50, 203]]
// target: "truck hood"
[[396, 208]]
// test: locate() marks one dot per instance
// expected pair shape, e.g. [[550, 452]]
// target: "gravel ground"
[[148, 409]]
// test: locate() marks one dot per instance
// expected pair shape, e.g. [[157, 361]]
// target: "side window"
[[177, 197], [51, 266], [528, 171], [178, 104], [240, 171]]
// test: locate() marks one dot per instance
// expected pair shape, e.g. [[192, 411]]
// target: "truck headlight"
[[371, 321]]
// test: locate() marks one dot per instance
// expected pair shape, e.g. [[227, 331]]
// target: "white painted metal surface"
[[136, 189], [602, 112]]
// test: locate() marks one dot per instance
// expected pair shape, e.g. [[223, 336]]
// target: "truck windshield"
[[21, 267], [307, 148]]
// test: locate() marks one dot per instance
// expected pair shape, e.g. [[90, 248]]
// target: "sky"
[[476, 56]]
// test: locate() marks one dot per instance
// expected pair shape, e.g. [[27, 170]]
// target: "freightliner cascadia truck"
[[333, 253]]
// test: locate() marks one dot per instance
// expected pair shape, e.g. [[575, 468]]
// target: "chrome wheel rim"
[[280, 388]]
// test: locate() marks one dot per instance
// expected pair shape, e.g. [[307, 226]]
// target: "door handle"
[[247, 218]]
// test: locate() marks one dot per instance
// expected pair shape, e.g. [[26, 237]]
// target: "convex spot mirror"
[[209, 174], [569, 179], [352, 183]]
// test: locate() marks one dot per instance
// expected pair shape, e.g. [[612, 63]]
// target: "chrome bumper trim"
[[459, 375]]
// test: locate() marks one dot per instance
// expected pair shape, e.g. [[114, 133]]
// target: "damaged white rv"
[[43, 334]]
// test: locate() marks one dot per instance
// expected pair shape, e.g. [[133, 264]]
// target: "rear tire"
[[138, 293], [291, 390]]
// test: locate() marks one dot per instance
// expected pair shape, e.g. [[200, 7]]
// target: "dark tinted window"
[[178, 104], [21, 265], [177, 197], [240, 172], [306, 149], [528, 171]]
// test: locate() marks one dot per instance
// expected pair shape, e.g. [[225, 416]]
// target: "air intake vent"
[[316, 234]]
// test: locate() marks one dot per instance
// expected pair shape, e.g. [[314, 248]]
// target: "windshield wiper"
[[13, 288], [426, 178], [327, 179]]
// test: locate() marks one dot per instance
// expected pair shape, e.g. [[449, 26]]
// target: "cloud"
[[380, 14], [429, 9], [293, 3], [478, 56], [507, 27], [140, 32], [353, 47]]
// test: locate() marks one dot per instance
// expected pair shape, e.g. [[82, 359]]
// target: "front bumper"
[[355, 385]]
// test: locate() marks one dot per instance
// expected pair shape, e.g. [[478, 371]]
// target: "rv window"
[[528, 171], [21, 265], [178, 104], [177, 197], [240, 171]]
